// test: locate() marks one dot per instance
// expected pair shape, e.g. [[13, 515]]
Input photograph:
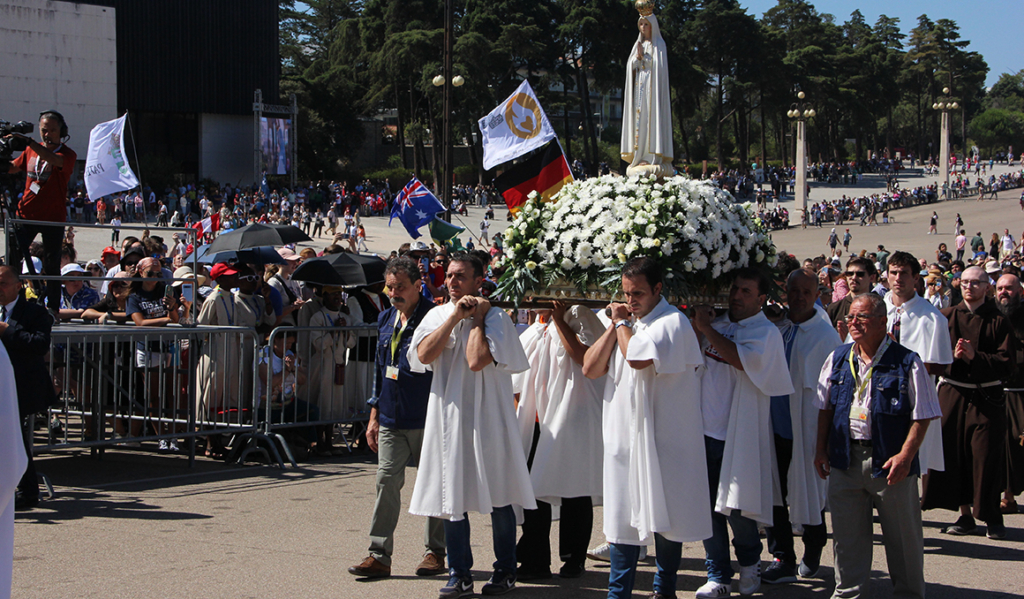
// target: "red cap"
[[222, 269], [110, 250]]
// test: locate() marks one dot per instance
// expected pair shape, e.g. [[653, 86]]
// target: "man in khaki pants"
[[397, 417]]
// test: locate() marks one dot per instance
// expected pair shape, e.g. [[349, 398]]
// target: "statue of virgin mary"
[[646, 110]]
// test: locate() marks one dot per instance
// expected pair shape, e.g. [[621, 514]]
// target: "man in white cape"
[[559, 415], [472, 455], [746, 365], [809, 340], [654, 473], [13, 461], [918, 325]]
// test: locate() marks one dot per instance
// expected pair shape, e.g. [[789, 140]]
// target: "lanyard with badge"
[[396, 340], [40, 166], [860, 413]]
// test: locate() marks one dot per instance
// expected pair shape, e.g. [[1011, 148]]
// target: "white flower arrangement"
[[695, 231]]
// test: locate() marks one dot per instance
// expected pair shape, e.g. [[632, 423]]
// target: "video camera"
[[10, 145]]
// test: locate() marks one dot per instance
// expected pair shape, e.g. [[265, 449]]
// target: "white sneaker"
[[163, 446], [603, 553], [750, 579], [712, 590]]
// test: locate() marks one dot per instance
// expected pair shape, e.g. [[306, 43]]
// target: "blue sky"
[[992, 26]]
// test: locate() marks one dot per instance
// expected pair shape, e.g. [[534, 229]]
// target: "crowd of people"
[[885, 383]]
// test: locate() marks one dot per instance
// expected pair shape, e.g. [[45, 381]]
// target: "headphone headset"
[[56, 115]]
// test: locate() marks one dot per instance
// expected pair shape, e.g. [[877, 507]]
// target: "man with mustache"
[[397, 416]]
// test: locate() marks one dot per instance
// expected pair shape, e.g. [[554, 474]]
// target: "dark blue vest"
[[891, 407]]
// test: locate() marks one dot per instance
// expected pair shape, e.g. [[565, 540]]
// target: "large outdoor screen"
[[275, 145]]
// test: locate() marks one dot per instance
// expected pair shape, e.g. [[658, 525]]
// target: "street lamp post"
[[801, 111], [944, 105]]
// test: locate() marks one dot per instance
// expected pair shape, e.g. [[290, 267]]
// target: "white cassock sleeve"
[[674, 349], [432, 321], [764, 361], [503, 342]]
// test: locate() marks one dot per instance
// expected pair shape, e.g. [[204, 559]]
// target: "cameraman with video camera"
[[48, 167]]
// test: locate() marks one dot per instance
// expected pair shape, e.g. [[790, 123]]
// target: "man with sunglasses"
[[973, 409], [875, 400], [861, 276]]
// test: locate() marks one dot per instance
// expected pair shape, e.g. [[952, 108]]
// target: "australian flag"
[[415, 206]]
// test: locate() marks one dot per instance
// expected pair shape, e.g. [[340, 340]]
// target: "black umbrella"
[[344, 269], [257, 235], [259, 255]]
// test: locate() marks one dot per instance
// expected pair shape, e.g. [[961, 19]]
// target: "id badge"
[[34, 188], [392, 373], [859, 414]]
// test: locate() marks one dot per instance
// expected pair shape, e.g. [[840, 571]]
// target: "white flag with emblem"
[[517, 126], [106, 169]]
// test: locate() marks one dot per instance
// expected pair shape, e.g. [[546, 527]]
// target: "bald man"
[[809, 340], [1008, 300], [973, 411]]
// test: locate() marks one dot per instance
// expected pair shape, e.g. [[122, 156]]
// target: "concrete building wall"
[[60, 56], [225, 148]]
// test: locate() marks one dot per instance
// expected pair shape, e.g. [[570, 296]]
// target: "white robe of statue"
[[655, 469], [13, 461], [646, 103], [814, 342], [567, 461], [472, 457], [749, 477], [925, 331]]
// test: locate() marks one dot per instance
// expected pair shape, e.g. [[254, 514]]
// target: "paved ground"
[[141, 525]]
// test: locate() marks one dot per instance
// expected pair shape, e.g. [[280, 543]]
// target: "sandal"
[[1008, 506]]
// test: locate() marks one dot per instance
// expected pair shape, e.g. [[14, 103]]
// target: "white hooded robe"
[[13, 461], [748, 479], [925, 331], [472, 456], [655, 469], [554, 392]]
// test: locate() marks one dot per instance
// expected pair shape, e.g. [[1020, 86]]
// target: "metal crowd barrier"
[[322, 383], [122, 385]]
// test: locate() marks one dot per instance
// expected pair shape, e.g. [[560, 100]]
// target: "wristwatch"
[[624, 323]]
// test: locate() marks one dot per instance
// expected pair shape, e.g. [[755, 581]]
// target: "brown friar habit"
[[1015, 412], [974, 419]]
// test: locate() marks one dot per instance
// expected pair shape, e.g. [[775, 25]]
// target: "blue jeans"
[[503, 529], [623, 567], [745, 537]]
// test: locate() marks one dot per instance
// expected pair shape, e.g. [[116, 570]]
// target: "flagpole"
[[135, 151]]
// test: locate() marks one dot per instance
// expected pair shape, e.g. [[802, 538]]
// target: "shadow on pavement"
[[77, 505]]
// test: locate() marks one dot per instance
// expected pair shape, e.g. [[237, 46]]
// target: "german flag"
[[545, 172]]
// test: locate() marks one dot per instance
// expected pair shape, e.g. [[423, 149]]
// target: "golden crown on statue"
[[645, 7]]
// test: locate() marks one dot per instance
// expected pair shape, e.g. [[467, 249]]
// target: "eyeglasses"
[[152, 273], [249, 278], [859, 318], [972, 282], [118, 285], [856, 273]]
